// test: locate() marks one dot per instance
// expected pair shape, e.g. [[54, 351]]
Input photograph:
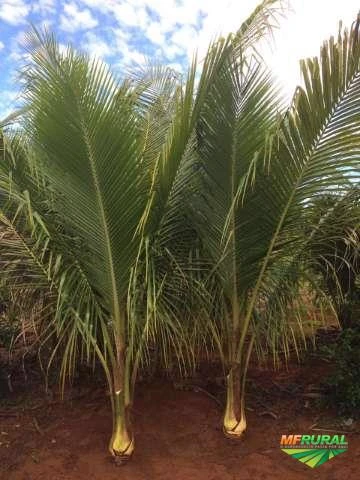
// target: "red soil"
[[178, 437]]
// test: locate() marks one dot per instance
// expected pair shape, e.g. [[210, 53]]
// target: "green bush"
[[342, 387]]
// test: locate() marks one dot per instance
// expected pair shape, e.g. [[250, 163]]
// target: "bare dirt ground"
[[178, 434]]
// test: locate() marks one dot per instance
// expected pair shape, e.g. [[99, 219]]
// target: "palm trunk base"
[[234, 423], [122, 441], [233, 428], [121, 447]]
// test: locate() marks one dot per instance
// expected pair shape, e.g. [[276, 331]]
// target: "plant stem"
[[234, 418], [122, 440]]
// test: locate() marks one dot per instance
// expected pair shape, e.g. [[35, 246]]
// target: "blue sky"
[[123, 32]]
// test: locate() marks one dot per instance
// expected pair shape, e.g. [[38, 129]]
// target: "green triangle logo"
[[313, 450], [313, 457]]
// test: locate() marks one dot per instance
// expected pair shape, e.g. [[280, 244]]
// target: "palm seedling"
[[258, 176], [74, 194]]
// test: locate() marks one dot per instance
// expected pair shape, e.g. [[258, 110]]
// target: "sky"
[[125, 32]]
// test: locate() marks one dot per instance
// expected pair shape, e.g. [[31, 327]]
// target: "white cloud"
[[154, 34], [8, 96], [44, 7], [96, 47], [75, 19], [132, 56], [179, 27], [15, 47], [8, 101], [171, 51], [2, 46], [121, 37], [131, 13], [159, 20], [302, 33], [185, 38], [128, 54], [14, 12]]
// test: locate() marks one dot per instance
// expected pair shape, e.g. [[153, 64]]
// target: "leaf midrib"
[[118, 322]]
